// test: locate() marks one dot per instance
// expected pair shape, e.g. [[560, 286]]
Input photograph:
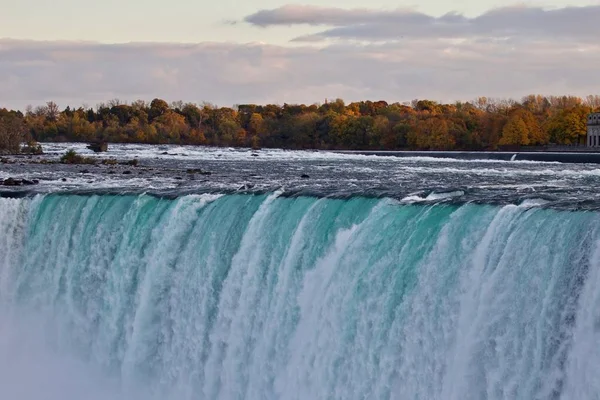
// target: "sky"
[[231, 52]]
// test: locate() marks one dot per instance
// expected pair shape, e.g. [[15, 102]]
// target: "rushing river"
[[372, 278]]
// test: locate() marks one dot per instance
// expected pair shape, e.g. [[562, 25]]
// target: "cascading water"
[[264, 297]]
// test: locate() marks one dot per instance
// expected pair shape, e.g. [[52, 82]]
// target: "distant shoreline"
[[537, 123]]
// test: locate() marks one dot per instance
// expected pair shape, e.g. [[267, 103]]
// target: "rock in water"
[[18, 182], [98, 147], [11, 182]]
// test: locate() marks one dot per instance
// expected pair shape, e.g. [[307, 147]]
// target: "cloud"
[[524, 23], [73, 73], [315, 15]]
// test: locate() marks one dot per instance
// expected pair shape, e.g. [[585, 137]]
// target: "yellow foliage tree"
[[568, 126], [535, 133], [171, 126], [431, 133], [515, 132], [256, 126], [197, 136]]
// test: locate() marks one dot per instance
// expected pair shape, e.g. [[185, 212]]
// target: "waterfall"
[[269, 297]]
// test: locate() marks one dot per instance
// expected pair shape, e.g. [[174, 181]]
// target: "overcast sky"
[[271, 51]]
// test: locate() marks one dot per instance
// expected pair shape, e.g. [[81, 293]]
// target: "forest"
[[483, 124]]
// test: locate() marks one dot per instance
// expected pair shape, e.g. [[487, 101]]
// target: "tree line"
[[483, 124]]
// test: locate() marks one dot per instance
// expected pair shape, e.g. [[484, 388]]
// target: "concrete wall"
[[593, 130]]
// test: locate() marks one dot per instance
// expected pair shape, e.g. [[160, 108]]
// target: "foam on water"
[[432, 197], [178, 170], [182, 153]]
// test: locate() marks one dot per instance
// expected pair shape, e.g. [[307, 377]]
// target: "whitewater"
[[173, 171], [262, 296]]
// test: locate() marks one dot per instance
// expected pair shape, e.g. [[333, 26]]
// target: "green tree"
[[227, 132]]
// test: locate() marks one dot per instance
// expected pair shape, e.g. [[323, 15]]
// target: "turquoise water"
[[264, 297]]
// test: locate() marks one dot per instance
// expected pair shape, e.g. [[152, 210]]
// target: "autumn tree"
[[381, 128], [157, 108], [536, 104], [515, 132], [535, 134], [193, 115], [303, 130], [484, 123], [592, 101], [432, 134], [12, 131], [569, 126], [79, 128], [256, 125], [52, 111], [490, 129], [429, 106], [171, 127]]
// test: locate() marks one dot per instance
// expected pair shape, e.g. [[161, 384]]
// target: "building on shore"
[[593, 130]]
